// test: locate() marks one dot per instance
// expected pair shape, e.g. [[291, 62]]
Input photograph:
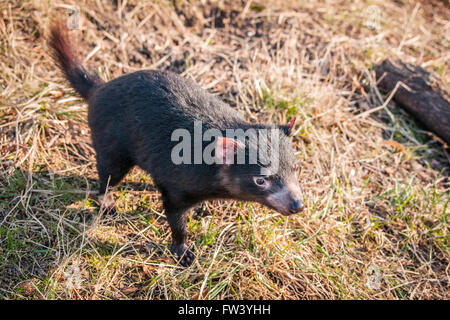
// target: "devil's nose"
[[297, 206]]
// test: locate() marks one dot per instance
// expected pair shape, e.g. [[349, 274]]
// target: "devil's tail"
[[81, 80]]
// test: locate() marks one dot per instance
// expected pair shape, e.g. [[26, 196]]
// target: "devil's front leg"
[[177, 218]]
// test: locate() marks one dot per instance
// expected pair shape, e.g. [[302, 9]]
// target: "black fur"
[[132, 119], [81, 80]]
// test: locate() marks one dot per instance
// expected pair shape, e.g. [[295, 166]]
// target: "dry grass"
[[375, 183]]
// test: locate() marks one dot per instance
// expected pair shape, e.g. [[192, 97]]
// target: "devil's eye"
[[259, 181]]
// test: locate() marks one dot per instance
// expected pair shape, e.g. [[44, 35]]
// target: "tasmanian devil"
[[140, 118]]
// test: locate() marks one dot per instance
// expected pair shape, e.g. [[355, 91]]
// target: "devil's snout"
[[297, 206]]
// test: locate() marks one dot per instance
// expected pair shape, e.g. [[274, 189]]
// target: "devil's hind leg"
[[111, 168]]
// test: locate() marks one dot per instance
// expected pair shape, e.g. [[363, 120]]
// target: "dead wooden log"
[[426, 100]]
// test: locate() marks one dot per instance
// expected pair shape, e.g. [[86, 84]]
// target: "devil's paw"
[[182, 254]]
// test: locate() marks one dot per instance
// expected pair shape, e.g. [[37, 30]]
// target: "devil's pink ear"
[[226, 149], [287, 129]]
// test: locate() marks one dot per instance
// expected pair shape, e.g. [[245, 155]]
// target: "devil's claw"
[[183, 255]]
